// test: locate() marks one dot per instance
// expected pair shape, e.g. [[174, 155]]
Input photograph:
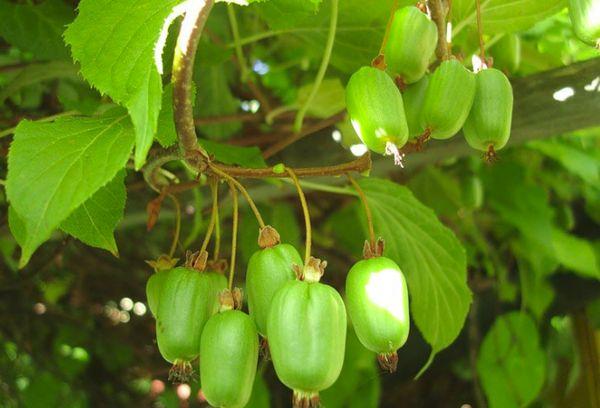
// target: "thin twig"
[[211, 224], [177, 225], [183, 68], [365, 204], [235, 32], [480, 32], [219, 172], [322, 69], [236, 117], [325, 123], [308, 240], [217, 248], [234, 232]]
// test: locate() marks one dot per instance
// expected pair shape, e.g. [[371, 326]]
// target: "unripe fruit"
[[376, 110], [377, 301], [488, 125], [153, 288], [413, 97], [472, 193], [307, 336], [585, 17], [507, 53], [448, 99], [186, 301], [410, 45], [268, 270], [229, 355]]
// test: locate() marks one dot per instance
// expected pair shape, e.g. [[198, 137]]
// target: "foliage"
[[502, 261]]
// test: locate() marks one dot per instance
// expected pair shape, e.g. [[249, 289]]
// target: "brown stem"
[[325, 123], [360, 165], [365, 203], [234, 231], [183, 67], [438, 14], [236, 117]]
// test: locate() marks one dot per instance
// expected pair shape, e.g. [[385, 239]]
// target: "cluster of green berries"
[[401, 104], [302, 320]]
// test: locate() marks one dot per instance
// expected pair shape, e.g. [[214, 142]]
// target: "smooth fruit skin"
[[507, 53], [411, 44], [585, 17], [448, 99], [268, 270], [228, 359], [490, 119], [307, 335], [376, 111], [377, 302], [187, 300], [153, 288], [413, 98]]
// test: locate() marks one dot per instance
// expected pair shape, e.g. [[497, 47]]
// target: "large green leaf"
[[511, 363], [55, 167], [94, 221], [577, 161], [116, 45], [575, 254], [36, 28], [503, 16], [430, 256]]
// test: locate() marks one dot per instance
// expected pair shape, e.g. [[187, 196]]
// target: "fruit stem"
[[234, 231], [480, 32], [379, 61], [308, 242], [243, 190], [438, 15], [365, 204], [177, 225], [211, 223], [217, 248]]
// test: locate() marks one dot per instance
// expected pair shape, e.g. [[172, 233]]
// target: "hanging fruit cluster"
[[396, 102], [302, 321]]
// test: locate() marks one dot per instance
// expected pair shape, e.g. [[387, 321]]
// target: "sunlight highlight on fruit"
[[381, 292]]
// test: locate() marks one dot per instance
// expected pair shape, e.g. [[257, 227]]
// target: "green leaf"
[[116, 44], [438, 190], [511, 363], [329, 99], [94, 221], [282, 14], [430, 256], [36, 28], [35, 73], [577, 161], [55, 167], [228, 154], [575, 254], [503, 16], [214, 98], [283, 218]]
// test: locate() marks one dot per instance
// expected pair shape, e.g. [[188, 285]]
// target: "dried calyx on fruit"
[[228, 354], [376, 111], [447, 101], [488, 126], [307, 334], [269, 269], [182, 299], [377, 302], [410, 45]]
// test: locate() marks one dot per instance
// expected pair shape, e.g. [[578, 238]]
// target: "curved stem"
[[234, 232], [177, 225], [308, 241], [197, 221], [217, 248], [480, 31], [235, 32], [196, 14], [211, 224], [388, 27], [363, 198], [226, 176], [322, 69]]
